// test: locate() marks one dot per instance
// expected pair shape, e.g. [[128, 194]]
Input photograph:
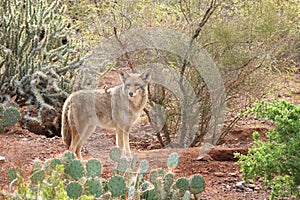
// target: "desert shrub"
[[68, 178], [276, 161], [37, 58], [247, 40]]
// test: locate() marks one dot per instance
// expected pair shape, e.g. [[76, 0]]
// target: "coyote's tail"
[[65, 124]]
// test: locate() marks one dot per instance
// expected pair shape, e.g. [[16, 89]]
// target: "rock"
[[240, 185], [252, 186], [2, 159], [233, 174], [219, 174], [205, 157], [228, 187]]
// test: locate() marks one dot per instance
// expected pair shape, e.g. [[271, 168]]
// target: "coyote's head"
[[135, 84]]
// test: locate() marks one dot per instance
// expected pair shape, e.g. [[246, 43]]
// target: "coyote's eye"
[[138, 86], [127, 85]]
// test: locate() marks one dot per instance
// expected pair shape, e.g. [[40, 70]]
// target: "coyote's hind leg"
[[80, 138]]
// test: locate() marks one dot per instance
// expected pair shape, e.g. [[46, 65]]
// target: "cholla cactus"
[[37, 59]]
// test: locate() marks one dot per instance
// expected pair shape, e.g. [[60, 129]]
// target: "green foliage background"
[[276, 161], [250, 41]]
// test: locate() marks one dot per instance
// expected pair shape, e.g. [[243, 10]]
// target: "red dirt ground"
[[21, 147]]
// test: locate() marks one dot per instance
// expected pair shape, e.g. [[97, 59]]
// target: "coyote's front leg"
[[126, 142], [122, 141], [119, 138]]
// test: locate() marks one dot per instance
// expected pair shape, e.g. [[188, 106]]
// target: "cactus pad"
[[168, 181], [144, 166], [153, 177], [93, 168], [173, 160], [197, 184], [116, 186], [186, 196], [37, 164], [145, 186], [122, 165], [51, 164], [76, 169], [11, 116], [74, 190], [182, 184], [150, 194], [115, 154], [93, 186], [133, 161], [68, 156], [37, 176], [13, 173], [131, 193]]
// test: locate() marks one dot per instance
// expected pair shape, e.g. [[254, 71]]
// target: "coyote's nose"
[[130, 94]]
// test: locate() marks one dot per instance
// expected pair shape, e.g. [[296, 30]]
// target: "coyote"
[[118, 107]]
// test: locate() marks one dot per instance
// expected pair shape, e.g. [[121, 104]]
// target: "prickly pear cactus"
[[150, 194], [115, 154], [131, 193], [153, 177], [144, 166], [186, 196], [69, 156], [76, 169], [133, 162], [37, 176], [11, 116], [182, 184], [197, 184], [8, 116], [168, 182], [74, 190], [51, 164], [93, 186], [122, 165], [173, 160], [13, 173], [37, 164], [145, 186], [93, 168], [117, 186]]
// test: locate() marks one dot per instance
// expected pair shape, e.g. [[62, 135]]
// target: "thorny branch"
[[210, 10]]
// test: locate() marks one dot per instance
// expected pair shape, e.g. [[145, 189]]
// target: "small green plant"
[[8, 116], [276, 161]]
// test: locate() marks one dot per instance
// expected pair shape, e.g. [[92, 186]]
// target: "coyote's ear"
[[146, 75], [123, 76]]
